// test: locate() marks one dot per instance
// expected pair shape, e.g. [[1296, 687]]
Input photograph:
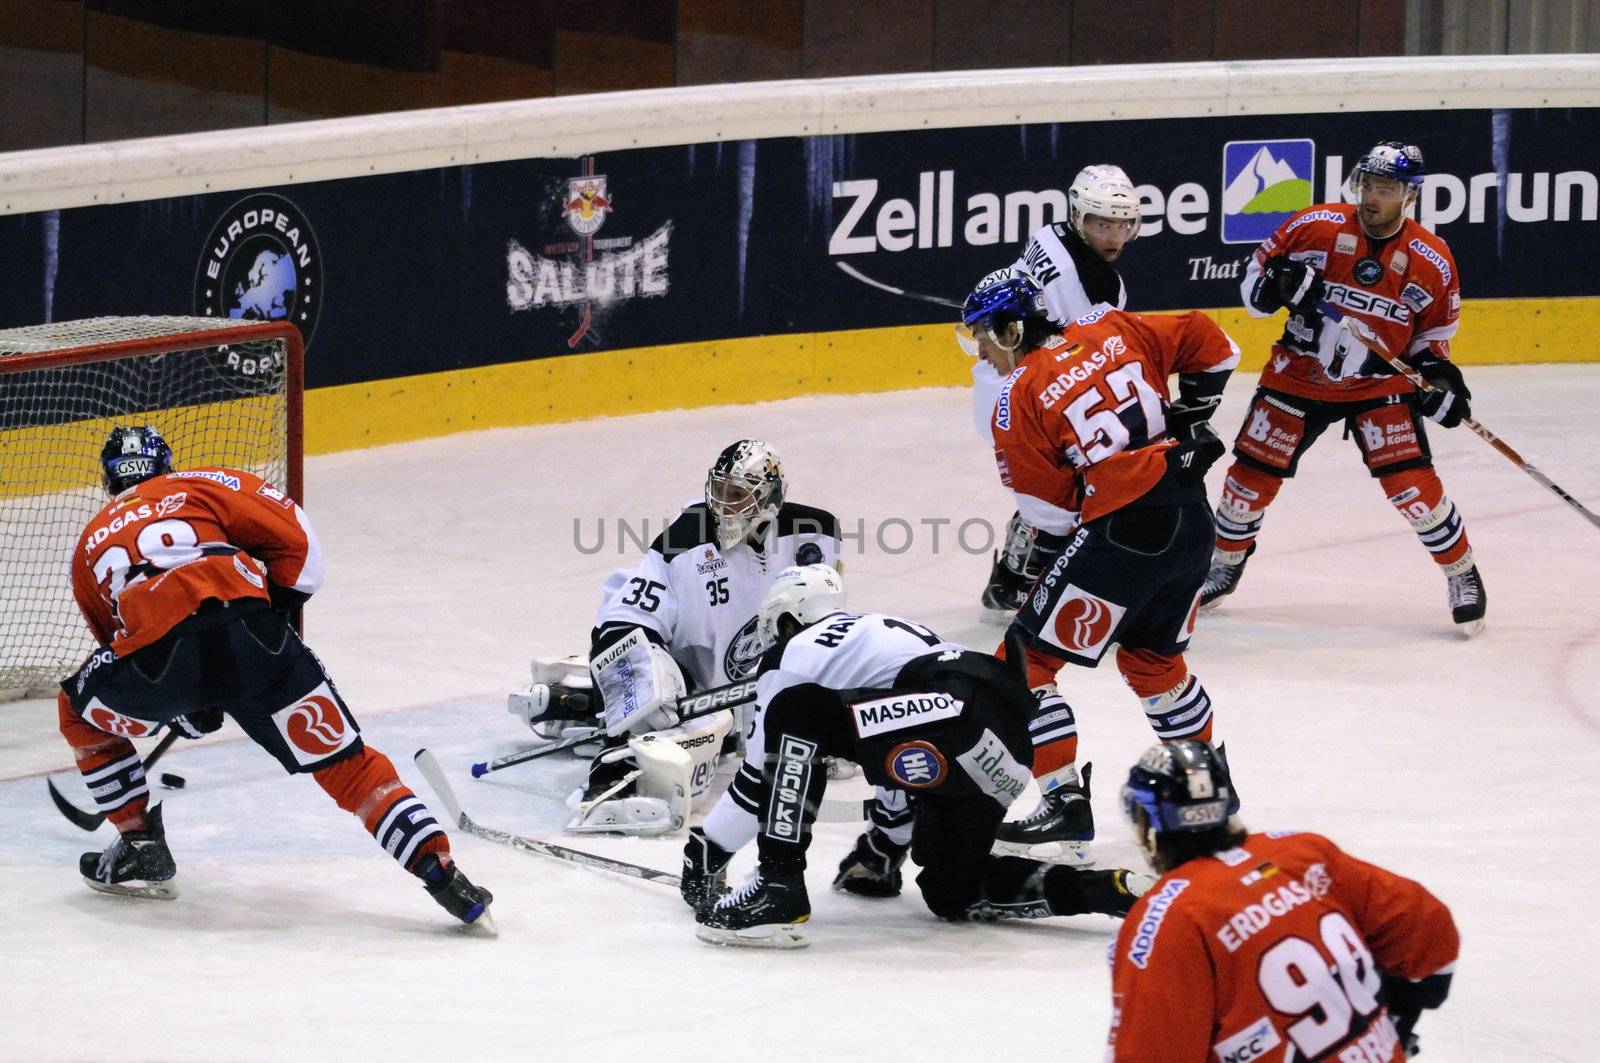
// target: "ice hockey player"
[[1073, 264], [1264, 946], [1111, 474], [682, 619], [945, 727], [185, 579], [1386, 272]]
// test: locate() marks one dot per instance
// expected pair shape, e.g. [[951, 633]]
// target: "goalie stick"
[[1350, 325], [687, 707], [92, 820], [428, 764]]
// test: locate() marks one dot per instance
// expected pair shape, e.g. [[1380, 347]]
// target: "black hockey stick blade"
[[91, 821], [850, 270]]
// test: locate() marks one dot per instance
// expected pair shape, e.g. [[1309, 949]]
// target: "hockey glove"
[[1188, 461], [705, 870], [873, 867], [197, 724], [1286, 282], [1447, 400], [1047, 546], [1185, 416], [287, 600]]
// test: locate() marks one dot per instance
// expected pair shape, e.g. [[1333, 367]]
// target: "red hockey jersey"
[[1079, 427], [158, 550], [1279, 942], [1406, 289]]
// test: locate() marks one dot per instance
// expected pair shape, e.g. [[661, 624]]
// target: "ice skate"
[[1468, 601], [1059, 830], [1223, 577], [455, 892], [765, 912], [136, 864]]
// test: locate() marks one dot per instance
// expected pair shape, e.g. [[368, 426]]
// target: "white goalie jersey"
[[700, 601]]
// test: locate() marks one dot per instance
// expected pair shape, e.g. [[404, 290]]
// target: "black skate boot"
[[873, 867], [1064, 821], [1223, 577], [705, 871], [455, 892], [1468, 601], [764, 913], [137, 864]]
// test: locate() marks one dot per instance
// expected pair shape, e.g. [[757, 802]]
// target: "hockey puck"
[[171, 781]]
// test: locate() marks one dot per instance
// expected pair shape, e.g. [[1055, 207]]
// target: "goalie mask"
[[1178, 787], [133, 455], [743, 489], [805, 592]]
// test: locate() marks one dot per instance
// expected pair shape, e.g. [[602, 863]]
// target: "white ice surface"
[[1349, 704]]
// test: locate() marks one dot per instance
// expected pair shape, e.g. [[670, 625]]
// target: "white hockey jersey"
[[700, 601], [1074, 281], [841, 651]]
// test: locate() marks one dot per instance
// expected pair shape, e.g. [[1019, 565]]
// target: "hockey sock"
[[1419, 496], [1246, 494], [366, 786], [110, 767], [1054, 732], [1175, 703]]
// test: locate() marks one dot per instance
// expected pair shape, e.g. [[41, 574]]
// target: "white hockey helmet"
[[744, 487], [806, 592], [1103, 190]]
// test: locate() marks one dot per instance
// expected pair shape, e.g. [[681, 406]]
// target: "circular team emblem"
[[808, 554], [261, 263], [918, 765], [1082, 624], [743, 653], [1368, 271], [315, 726]]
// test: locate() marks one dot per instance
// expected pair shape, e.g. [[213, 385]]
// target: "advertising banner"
[[433, 270]]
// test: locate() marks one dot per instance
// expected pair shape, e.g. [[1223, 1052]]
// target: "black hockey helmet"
[[1178, 789], [132, 455]]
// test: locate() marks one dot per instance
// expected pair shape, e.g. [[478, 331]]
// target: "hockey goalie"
[[683, 619]]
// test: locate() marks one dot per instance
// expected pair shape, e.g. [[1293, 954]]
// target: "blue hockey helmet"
[[1000, 305], [1394, 160], [132, 455]]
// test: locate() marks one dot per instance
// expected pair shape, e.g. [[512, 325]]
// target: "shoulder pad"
[[772, 659], [693, 527], [807, 520]]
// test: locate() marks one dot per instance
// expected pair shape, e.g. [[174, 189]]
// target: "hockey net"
[[221, 394]]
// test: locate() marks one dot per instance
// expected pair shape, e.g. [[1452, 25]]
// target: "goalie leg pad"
[[702, 738], [618, 810]]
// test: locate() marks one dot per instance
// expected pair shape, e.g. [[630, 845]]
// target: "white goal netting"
[[221, 393]]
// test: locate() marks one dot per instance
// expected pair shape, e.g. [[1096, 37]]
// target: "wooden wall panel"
[[41, 73], [845, 37], [734, 40], [987, 34]]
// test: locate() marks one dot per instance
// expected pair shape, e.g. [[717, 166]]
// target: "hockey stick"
[[864, 279], [428, 764], [92, 820], [688, 707], [1333, 313]]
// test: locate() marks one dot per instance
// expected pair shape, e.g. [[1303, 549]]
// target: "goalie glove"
[[873, 867]]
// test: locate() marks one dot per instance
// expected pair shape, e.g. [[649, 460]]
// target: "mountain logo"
[[1263, 183]]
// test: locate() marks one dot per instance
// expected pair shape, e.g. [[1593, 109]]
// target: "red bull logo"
[[587, 204]]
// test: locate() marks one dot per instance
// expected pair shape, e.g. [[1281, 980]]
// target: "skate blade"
[[157, 891], [482, 927], [1472, 627], [769, 936], [1073, 854], [997, 617], [1212, 606]]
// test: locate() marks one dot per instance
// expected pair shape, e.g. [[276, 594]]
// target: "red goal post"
[[222, 393]]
